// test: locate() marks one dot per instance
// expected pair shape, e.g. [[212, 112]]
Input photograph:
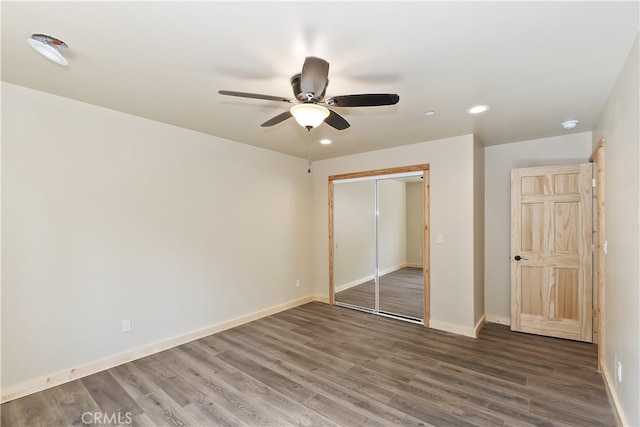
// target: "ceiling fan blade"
[[363, 100], [254, 96], [313, 78], [336, 121], [277, 119]]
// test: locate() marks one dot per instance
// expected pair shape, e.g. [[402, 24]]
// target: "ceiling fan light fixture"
[[49, 47], [309, 116]]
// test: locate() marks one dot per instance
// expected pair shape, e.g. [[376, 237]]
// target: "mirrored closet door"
[[355, 244], [378, 244]]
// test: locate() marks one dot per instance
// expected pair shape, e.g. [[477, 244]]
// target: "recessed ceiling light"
[[429, 113], [570, 124], [325, 141], [478, 109], [49, 47]]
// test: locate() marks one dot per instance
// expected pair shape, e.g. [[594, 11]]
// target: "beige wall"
[[392, 225], [499, 160], [478, 231], [354, 233], [451, 160], [619, 125], [415, 221], [107, 216]]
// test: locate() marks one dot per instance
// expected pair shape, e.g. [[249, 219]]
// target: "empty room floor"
[[320, 365]]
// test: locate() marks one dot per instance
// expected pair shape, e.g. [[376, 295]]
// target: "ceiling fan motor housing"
[[306, 97]]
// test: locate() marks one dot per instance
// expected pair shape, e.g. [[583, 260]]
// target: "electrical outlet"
[[298, 283], [126, 325]]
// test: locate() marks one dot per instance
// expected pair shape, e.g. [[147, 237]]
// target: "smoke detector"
[[569, 124], [49, 47]]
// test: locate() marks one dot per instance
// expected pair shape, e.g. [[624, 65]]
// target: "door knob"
[[518, 258]]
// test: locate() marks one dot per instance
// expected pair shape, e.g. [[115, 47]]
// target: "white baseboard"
[[479, 325], [502, 320], [362, 280], [321, 298], [455, 329], [39, 384], [394, 268], [611, 390], [354, 283]]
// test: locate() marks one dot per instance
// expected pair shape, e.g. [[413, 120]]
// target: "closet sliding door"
[[399, 243], [377, 229], [354, 244]]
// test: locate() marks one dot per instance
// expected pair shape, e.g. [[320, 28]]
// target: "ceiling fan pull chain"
[[309, 155]]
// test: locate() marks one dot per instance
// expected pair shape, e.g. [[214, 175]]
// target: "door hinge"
[[593, 182]]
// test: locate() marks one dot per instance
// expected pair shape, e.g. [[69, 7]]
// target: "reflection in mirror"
[[354, 243], [378, 244], [400, 234]]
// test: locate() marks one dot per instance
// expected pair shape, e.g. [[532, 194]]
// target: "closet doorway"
[[379, 242]]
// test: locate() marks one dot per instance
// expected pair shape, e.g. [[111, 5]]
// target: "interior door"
[[551, 245]]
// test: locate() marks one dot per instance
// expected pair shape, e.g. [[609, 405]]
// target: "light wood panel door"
[[551, 250]]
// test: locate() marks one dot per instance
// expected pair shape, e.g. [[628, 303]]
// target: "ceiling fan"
[[309, 88]]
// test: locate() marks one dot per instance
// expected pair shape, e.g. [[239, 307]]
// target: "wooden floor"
[[324, 365], [401, 292]]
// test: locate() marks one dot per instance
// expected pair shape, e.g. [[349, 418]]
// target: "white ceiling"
[[536, 64]]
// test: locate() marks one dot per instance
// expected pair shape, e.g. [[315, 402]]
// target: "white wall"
[[107, 216], [619, 125], [478, 231], [451, 160], [392, 225], [415, 221], [354, 233], [499, 160]]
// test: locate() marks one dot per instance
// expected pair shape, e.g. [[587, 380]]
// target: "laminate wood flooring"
[[323, 365], [401, 292]]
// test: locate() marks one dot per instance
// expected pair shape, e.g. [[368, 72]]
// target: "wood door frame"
[[598, 159], [426, 256]]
